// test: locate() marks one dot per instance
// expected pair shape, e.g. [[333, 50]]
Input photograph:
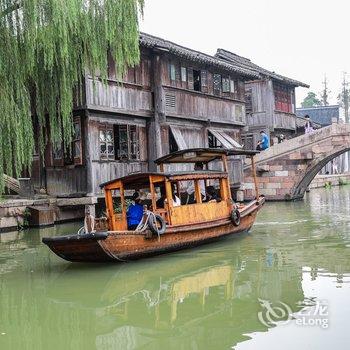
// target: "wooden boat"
[[167, 228]]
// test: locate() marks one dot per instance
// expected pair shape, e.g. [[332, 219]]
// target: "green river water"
[[284, 285]]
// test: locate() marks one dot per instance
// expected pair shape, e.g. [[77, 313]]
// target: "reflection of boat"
[[175, 297], [168, 227]]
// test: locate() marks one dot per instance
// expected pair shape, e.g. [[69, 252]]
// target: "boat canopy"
[[204, 155], [139, 180]]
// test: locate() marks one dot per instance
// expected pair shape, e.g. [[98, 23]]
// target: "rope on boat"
[[143, 225]]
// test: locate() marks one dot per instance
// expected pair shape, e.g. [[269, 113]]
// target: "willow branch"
[[12, 8]]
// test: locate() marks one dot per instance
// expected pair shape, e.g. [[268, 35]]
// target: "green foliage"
[[46, 47], [328, 184], [117, 207], [311, 100], [23, 221]]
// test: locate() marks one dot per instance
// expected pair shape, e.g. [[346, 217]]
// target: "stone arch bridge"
[[285, 170]]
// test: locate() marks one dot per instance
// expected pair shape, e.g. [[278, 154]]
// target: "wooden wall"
[[263, 107], [285, 121], [115, 97], [258, 90], [104, 170], [192, 104], [196, 135], [66, 181]]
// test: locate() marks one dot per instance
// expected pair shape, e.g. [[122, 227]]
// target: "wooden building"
[[270, 101], [176, 98]]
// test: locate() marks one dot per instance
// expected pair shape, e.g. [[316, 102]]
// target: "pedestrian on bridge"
[[308, 125], [264, 142]]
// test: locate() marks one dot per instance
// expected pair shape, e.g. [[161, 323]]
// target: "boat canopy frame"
[[207, 155], [151, 180]]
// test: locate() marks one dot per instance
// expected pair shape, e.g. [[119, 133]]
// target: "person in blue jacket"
[[135, 212], [264, 142]]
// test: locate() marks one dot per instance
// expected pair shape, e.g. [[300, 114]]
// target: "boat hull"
[[125, 246]]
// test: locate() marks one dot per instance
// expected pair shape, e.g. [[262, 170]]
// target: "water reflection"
[[206, 298]]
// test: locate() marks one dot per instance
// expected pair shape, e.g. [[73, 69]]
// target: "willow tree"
[[46, 47]]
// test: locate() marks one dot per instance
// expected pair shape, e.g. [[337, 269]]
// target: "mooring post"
[[255, 178]]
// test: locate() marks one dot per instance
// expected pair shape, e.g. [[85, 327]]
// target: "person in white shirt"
[[161, 202], [176, 201]]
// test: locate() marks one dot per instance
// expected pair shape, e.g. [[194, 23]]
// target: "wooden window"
[[177, 72], [106, 142], [173, 147], [217, 84], [283, 100], [172, 72], [77, 142], [213, 142], [57, 155], [62, 155], [232, 86], [190, 78], [183, 74], [248, 101], [225, 84], [127, 143], [204, 80], [197, 85], [239, 113]]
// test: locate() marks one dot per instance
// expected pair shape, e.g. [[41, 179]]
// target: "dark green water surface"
[[267, 289]]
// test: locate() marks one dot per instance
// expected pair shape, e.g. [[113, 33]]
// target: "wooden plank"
[[181, 143], [11, 183]]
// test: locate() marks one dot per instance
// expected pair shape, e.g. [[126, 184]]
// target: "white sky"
[[302, 39]]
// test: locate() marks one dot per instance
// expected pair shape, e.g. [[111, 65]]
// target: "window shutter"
[[172, 72], [232, 86], [183, 74], [204, 81], [57, 155], [190, 78], [225, 85], [77, 146], [248, 100], [216, 84], [177, 72]]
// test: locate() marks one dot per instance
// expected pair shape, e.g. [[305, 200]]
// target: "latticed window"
[[217, 84], [183, 74], [172, 71], [77, 141], [127, 142], [283, 100], [232, 86], [62, 155], [106, 138], [225, 84]]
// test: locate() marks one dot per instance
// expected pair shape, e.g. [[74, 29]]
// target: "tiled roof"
[[248, 64], [153, 42], [322, 114]]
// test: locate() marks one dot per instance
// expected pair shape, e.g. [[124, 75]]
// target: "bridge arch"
[[311, 171], [285, 170]]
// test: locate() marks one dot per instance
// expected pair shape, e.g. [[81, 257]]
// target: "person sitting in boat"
[[198, 166], [176, 199], [211, 195], [162, 200], [135, 212]]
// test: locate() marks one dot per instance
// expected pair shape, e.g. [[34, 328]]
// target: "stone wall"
[[335, 180], [286, 170]]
